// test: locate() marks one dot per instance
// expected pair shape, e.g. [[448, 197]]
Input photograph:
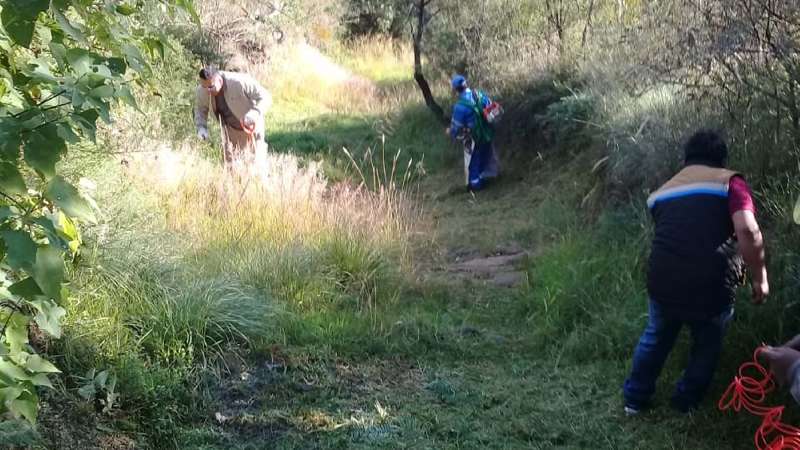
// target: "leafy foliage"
[[99, 388], [372, 17], [63, 64]]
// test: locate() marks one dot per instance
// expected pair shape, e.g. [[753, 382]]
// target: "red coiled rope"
[[748, 392]]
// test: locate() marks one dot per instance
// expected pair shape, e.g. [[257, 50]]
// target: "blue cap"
[[458, 82]]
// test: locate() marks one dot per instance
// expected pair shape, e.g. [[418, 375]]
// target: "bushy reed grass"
[[279, 226]]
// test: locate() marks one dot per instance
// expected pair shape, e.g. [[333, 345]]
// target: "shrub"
[[565, 121]]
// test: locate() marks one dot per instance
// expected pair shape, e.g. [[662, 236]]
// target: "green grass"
[[328, 320]]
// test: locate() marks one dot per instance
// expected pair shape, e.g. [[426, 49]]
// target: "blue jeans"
[[480, 165], [654, 346]]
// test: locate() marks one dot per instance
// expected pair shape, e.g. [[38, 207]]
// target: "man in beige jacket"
[[239, 103]]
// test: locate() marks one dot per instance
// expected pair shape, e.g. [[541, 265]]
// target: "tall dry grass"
[[277, 224]]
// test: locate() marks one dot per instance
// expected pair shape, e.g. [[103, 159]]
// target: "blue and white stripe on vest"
[[701, 188]]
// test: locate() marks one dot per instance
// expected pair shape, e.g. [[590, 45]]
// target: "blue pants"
[[654, 346], [480, 165]]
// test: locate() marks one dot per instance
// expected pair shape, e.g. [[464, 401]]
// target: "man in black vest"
[[705, 229]]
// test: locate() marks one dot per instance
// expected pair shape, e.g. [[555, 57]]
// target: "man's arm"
[[462, 118], [260, 99], [455, 126], [751, 246]]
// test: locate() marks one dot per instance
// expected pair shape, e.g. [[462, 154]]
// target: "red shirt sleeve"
[[739, 196]]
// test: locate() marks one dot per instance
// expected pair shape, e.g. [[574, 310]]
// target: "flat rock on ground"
[[500, 270]]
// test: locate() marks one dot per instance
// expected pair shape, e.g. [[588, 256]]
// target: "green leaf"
[[99, 74], [49, 316], [27, 406], [44, 149], [11, 181], [72, 31], [124, 93], [10, 139], [27, 289], [78, 98], [67, 197], [21, 250], [126, 9], [9, 394], [87, 391], [134, 58], [53, 236], [59, 52], [80, 60], [16, 333], [117, 65], [48, 271], [40, 379], [66, 133], [37, 364], [19, 19], [154, 46], [101, 378], [103, 108], [7, 212], [41, 72], [67, 228], [104, 91], [87, 122], [11, 371]]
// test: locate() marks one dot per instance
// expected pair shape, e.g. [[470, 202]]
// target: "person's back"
[[694, 267], [464, 115]]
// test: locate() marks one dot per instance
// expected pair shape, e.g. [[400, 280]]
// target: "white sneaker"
[[630, 411]]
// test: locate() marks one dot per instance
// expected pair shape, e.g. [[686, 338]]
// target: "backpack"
[[485, 118]]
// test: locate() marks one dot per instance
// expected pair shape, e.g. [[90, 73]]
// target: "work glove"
[[250, 120], [202, 133]]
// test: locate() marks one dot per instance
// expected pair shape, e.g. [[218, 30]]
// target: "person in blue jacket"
[[469, 127]]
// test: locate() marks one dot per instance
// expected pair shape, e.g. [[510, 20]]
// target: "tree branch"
[[57, 94]]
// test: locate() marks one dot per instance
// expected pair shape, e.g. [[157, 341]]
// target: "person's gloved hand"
[[250, 120], [202, 133], [782, 362]]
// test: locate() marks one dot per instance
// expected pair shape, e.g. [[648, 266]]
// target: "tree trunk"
[[419, 77]]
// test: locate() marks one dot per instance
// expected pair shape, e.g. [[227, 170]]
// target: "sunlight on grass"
[[379, 59], [280, 226]]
